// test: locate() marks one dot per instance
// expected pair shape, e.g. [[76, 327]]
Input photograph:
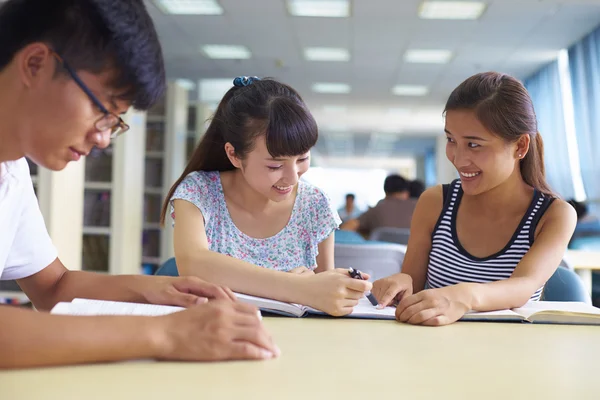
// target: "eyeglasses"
[[109, 121]]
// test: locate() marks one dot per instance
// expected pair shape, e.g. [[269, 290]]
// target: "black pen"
[[354, 273]]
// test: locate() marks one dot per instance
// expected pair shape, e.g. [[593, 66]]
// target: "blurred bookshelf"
[[165, 157], [153, 187], [96, 210], [112, 206]]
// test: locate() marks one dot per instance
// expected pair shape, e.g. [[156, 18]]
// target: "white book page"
[[364, 309], [275, 306], [533, 307], [102, 307]]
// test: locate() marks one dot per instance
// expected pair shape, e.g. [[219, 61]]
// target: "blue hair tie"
[[241, 81]]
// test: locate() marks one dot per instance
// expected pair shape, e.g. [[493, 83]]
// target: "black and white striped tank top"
[[450, 263]]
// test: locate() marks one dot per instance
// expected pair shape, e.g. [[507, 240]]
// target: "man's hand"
[[219, 330], [184, 291]]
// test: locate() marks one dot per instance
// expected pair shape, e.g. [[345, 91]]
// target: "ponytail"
[[532, 166], [209, 155]]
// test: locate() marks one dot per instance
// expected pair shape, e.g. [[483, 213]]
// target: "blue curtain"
[[584, 64], [545, 91], [430, 168]]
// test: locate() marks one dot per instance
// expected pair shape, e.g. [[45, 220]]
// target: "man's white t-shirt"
[[25, 246]]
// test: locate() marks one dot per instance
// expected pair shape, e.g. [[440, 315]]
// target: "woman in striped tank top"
[[491, 239]]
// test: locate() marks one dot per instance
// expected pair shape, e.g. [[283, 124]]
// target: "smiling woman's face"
[[274, 178], [483, 160]]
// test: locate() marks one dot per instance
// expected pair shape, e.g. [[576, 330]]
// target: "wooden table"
[[584, 262], [353, 359]]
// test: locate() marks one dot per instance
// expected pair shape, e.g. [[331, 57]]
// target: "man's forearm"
[[73, 284], [40, 339]]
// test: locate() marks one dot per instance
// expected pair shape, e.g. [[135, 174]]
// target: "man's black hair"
[[91, 35], [395, 184]]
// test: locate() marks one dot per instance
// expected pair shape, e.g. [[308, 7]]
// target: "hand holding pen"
[[356, 274]]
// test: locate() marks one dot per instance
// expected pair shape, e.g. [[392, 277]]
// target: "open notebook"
[[548, 312], [543, 312], [100, 307], [104, 307], [364, 309]]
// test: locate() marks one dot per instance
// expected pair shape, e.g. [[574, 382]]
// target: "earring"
[[520, 155]]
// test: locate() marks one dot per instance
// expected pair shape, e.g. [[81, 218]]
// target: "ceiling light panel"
[[190, 7], [319, 8], [451, 9]]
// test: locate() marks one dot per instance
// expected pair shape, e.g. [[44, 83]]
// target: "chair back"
[[169, 268], [565, 285], [391, 235], [348, 237], [376, 259]]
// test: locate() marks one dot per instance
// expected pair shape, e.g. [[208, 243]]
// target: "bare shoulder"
[[432, 199], [429, 206], [559, 213]]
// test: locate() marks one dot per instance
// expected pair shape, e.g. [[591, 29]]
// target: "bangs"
[[291, 129]]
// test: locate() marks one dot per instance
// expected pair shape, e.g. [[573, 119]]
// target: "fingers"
[[438, 320], [201, 288], [229, 293], [358, 285], [257, 337], [422, 316], [389, 293], [409, 305], [354, 295], [185, 299], [247, 320], [247, 351]]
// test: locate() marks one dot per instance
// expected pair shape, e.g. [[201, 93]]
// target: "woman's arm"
[[194, 258], [325, 259], [332, 292], [416, 259], [425, 216], [535, 268]]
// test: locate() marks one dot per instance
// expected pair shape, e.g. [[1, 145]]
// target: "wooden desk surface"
[[353, 359]]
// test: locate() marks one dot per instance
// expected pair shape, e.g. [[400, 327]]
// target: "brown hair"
[[262, 107], [503, 106]]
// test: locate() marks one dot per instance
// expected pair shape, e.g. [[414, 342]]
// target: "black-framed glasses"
[[109, 121]]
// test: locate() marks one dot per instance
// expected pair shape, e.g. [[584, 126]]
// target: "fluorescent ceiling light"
[[339, 88], [335, 109], [190, 7], [326, 54], [319, 8], [226, 52], [428, 56], [410, 90], [451, 9]]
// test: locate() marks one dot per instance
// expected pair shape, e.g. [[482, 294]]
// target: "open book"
[[543, 312], [364, 309], [103, 307]]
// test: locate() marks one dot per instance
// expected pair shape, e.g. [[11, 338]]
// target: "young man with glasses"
[[68, 69]]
